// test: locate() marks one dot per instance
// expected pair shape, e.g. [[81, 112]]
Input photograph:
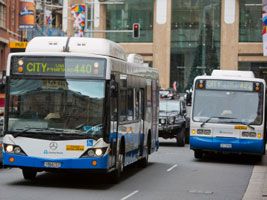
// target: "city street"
[[173, 173]]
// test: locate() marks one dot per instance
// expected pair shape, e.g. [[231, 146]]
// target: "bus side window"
[[141, 104], [123, 105], [136, 105], [130, 109]]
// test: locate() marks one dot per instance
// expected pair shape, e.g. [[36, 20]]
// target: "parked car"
[[168, 94], [172, 120]]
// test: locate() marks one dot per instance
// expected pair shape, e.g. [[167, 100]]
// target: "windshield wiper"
[[51, 131], [19, 132], [216, 117], [244, 123]]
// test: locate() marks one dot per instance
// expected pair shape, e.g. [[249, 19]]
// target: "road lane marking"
[[171, 168], [128, 196], [200, 192]]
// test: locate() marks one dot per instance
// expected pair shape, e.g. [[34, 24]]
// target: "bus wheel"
[[144, 161], [198, 154], [29, 174], [116, 175], [180, 138]]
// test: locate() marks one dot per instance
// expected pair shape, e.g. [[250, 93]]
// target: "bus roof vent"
[[135, 58], [98, 46], [47, 44], [233, 73]]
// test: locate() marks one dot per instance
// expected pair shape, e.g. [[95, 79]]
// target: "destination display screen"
[[59, 66], [230, 85]]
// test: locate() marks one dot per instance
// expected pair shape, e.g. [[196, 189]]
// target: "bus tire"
[[143, 162], [29, 174], [198, 154], [149, 142], [180, 138], [117, 173]]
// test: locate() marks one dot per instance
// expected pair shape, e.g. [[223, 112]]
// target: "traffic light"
[[136, 30]]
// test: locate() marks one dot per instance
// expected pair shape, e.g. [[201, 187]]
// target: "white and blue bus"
[[228, 114], [79, 104]]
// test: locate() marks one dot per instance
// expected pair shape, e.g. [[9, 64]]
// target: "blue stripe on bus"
[[74, 163], [238, 145]]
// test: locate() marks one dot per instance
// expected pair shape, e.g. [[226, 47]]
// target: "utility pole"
[[44, 9]]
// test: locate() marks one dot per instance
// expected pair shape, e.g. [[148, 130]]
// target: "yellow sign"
[[74, 147], [241, 127], [18, 45]]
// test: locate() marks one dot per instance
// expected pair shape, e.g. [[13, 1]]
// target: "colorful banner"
[[78, 12], [264, 24], [26, 14], [48, 18]]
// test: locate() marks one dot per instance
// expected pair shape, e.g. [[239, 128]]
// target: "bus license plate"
[[52, 164], [226, 146]]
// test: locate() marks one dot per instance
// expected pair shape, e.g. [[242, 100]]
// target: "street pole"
[[44, 8]]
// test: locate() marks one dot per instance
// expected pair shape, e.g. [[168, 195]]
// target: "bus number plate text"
[[52, 164], [226, 146]]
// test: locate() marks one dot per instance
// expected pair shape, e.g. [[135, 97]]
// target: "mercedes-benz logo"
[[53, 145]]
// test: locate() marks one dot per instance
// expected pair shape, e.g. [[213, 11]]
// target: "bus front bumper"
[[21, 161], [231, 145]]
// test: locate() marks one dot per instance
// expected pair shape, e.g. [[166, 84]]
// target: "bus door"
[[113, 120], [155, 102], [139, 115]]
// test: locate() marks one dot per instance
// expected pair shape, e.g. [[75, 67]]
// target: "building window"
[[2, 15], [250, 26], [122, 16], [195, 40], [89, 20]]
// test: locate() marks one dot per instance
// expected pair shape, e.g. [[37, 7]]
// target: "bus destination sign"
[[59, 66], [229, 85]]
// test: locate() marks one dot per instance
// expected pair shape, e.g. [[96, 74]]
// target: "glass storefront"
[[122, 16], [195, 40], [250, 21], [259, 68]]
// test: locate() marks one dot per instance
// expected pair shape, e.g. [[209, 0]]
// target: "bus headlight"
[[99, 152], [94, 152], [248, 134], [207, 132], [9, 148], [90, 153], [203, 131], [17, 150]]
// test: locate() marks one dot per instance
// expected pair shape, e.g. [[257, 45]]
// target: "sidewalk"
[[257, 187]]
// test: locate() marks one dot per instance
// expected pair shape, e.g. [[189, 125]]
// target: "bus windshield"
[[228, 107], [65, 106]]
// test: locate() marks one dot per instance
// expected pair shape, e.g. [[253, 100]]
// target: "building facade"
[[9, 28], [182, 39]]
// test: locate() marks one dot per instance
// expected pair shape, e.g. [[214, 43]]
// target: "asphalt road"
[[173, 173]]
